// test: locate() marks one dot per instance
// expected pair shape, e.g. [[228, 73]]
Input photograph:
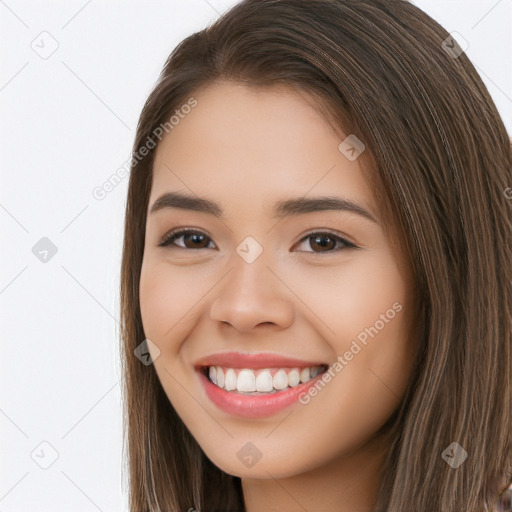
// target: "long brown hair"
[[439, 160]]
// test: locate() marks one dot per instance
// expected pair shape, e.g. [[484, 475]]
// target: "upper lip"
[[255, 361]]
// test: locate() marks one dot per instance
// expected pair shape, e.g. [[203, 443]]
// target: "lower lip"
[[254, 406]]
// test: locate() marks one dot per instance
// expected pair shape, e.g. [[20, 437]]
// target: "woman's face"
[[273, 285]]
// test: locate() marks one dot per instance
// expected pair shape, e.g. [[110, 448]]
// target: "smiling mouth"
[[247, 381]]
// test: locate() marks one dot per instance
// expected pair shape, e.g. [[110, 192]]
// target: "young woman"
[[316, 293]]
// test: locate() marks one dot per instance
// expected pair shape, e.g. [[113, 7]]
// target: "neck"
[[347, 484]]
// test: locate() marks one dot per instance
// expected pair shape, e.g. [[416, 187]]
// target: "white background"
[[67, 123]]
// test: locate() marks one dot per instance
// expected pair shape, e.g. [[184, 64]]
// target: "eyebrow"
[[283, 208]]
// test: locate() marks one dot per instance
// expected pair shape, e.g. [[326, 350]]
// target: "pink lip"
[[253, 406], [254, 361]]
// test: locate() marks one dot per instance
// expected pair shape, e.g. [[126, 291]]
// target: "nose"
[[252, 295]]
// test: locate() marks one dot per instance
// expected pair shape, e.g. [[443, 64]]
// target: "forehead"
[[251, 146]]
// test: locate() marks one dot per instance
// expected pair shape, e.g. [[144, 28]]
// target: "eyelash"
[[170, 237]]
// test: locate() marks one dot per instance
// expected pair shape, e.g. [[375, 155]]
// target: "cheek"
[[155, 299], [166, 298], [354, 296], [365, 314]]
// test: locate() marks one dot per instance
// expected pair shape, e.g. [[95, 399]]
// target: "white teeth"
[[246, 381], [293, 378], [220, 377], [304, 375], [262, 381], [230, 380], [280, 380]]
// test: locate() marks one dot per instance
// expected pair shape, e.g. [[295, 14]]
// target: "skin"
[[246, 148]]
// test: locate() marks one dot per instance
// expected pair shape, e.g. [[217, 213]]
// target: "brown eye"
[[326, 242], [191, 239]]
